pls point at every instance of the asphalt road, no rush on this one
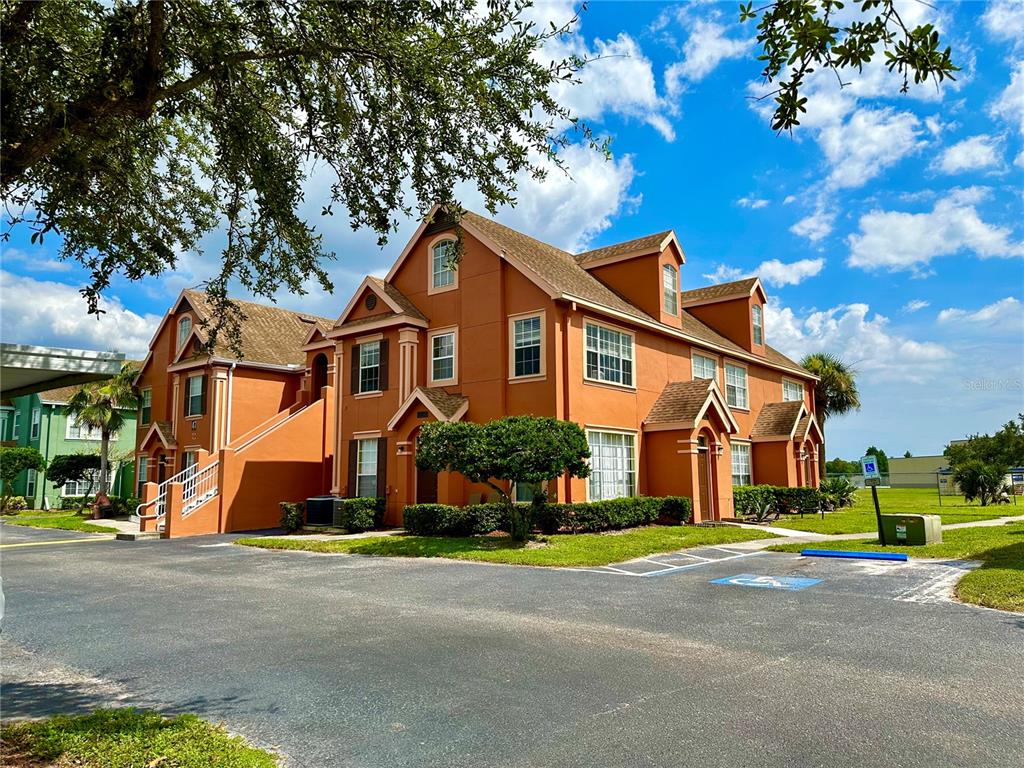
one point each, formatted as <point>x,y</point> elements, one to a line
<point>349,661</point>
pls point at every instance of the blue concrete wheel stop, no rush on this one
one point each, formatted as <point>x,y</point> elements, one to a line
<point>850,555</point>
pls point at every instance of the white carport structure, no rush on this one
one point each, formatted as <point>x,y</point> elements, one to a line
<point>25,368</point>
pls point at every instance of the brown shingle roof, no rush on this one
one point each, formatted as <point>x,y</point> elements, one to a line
<point>639,244</point>
<point>270,334</point>
<point>64,394</point>
<point>802,425</point>
<point>679,401</point>
<point>776,419</point>
<point>718,291</point>
<point>446,402</point>
<point>398,297</point>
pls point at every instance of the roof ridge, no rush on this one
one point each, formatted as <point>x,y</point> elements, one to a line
<point>631,241</point>
<point>269,305</point>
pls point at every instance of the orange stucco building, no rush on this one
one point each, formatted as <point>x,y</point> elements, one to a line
<point>678,391</point>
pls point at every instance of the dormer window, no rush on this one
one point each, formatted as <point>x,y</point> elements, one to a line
<point>670,289</point>
<point>758,324</point>
<point>184,327</point>
<point>442,266</point>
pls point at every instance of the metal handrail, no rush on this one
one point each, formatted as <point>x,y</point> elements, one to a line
<point>199,488</point>
<point>161,496</point>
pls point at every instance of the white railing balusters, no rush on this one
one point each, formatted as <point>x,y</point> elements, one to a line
<point>198,487</point>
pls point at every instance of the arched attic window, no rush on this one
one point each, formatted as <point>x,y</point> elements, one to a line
<point>184,327</point>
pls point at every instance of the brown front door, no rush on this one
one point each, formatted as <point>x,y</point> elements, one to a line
<point>704,479</point>
<point>161,469</point>
<point>426,487</point>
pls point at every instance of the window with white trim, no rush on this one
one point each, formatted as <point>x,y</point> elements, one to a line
<point>609,355</point>
<point>146,406</point>
<point>792,390</point>
<point>16,426</point>
<point>612,465</point>
<point>736,385</point>
<point>366,468</point>
<point>442,356</point>
<point>30,484</point>
<point>34,427</point>
<point>741,464</point>
<point>141,475</point>
<point>670,289</point>
<point>526,349</point>
<point>758,317</point>
<point>704,367</point>
<point>184,327</point>
<point>76,430</point>
<point>369,366</point>
<point>89,484</point>
<point>194,396</point>
<point>442,266</point>
<point>3,424</point>
<point>189,459</point>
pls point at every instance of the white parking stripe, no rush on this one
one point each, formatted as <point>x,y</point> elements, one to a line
<point>698,565</point>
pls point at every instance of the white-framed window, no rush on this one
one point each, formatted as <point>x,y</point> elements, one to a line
<point>442,266</point>
<point>741,474</point>
<point>442,357</point>
<point>16,426</point>
<point>194,396</point>
<point>3,423</point>
<point>184,327</point>
<point>736,385</point>
<point>30,484</point>
<point>146,406</point>
<point>612,464</point>
<point>366,467</point>
<point>76,430</point>
<point>188,459</point>
<point>81,487</point>
<point>609,355</point>
<point>704,367</point>
<point>141,475</point>
<point>670,289</point>
<point>758,317</point>
<point>792,390</point>
<point>523,493</point>
<point>369,366</point>
<point>34,426</point>
<point>527,346</point>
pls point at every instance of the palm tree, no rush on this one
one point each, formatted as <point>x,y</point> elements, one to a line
<point>834,394</point>
<point>101,406</point>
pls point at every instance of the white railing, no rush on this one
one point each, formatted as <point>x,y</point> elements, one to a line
<point>199,488</point>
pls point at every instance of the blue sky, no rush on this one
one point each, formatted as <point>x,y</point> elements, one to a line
<point>888,229</point>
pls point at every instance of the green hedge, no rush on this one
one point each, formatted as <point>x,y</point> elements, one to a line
<point>359,514</point>
<point>293,515</point>
<point>779,498</point>
<point>480,519</point>
<point>122,505</point>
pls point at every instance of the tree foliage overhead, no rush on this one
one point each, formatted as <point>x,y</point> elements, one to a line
<point>798,37</point>
<point>135,128</point>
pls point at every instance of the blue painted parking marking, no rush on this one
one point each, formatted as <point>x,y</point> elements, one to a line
<point>791,583</point>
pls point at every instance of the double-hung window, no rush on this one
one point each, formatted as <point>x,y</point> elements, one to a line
<point>526,347</point>
<point>612,465</point>
<point>609,355</point>
<point>146,406</point>
<point>704,367</point>
<point>758,318</point>
<point>30,485</point>
<point>670,289</point>
<point>792,390</point>
<point>141,475</point>
<point>78,431</point>
<point>90,482</point>
<point>369,366</point>
<point>16,426</point>
<point>194,396</point>
<point>442,357</point>
<point>741,464</point>
<point>736,385</point>
<point>34,426</point>
<point>366,467</point>
<point>442,266</point>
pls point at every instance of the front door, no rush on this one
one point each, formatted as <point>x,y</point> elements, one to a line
<point>161,469</point>
<point>704,479</point>
<point>426,486</point>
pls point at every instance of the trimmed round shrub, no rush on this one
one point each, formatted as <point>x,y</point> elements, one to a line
<point>359,514</point>
<point>293,515</point>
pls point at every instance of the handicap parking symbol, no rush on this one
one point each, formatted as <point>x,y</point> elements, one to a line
<point>791,583</point>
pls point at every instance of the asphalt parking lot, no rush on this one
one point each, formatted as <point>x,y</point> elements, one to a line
<point>351,661</point>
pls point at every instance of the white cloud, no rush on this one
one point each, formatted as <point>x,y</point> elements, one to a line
<point>814,227</point>
<point>915,305</point>
<point>1009,106</point>
<point>707,46</point>
<point>36,263</point>
<point>971,154</point>
<point>863,146</point>
<point>859,338</point>
<point>50,313</point>
<point>752,202</point>
<point>1006,313</point>
<point>1004,20</point>
<point>897,240</point>
<point>771,272</point>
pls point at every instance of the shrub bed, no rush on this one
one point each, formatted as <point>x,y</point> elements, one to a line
<point>779,498</point>
<point>121,505</point>
<point>16,504</point>
<point>293,515</point>
<point>480,519</point>
<point>359,514</point>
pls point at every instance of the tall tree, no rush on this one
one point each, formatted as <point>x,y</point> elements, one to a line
<point>102,406</point>
<point>13,461</point>
<point>835,393</point>
<point>136,128</point>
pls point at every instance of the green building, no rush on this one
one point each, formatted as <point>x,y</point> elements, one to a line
<point>39,421</point>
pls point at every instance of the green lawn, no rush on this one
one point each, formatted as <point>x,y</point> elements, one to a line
<point>564,550</point>
<point>923,501</point>
<point>63,519</point>
<point>127,738</point>
<point>998,583</point>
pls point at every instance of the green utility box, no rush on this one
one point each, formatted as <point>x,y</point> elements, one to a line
<point>912,530</point>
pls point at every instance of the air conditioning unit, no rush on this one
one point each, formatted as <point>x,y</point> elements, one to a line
<point>320,510</point>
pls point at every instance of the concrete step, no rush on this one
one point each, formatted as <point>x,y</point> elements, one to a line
<point>137,535</point>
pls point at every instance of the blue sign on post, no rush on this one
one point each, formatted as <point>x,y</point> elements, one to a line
<point>791,583</point>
